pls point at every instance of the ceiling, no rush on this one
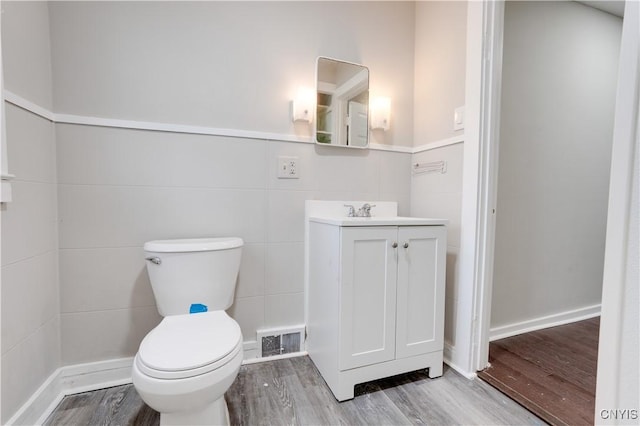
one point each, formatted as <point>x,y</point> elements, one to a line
<point>614,7</point>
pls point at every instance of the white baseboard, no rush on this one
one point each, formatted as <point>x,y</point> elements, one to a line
<point>548,321</point>
<point>69,380</point>
<point>448,356</point>
<point>92,376</point>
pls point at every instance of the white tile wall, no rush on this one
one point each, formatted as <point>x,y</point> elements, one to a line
<point>121,216</point>
<point>29,221</point>
<point>283,310</point>
<point>29,297</point>
<point>119,188</point>
<point>100,335</point>
<point>249,312</point>
<point>27,365</point>
<point>252,271</point>
<point>285,215</point>
<point>30,294</point>
<point>285,268</point>
<point>104,278</point>
<point>109,156</point>
<point>440,195</point>
<point>30,148</point>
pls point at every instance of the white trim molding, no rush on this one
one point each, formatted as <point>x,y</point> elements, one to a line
<point>487,178</point>
<point>439,144</point>
<point>83,120</point>
<point>21,102</point>
<point>548,321</point>
<point>391,148</point>
<point>69,380</point>
<point>174,128</point>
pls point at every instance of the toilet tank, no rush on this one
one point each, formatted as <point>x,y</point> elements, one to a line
<point>193,272</point>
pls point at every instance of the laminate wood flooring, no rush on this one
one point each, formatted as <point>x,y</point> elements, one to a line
<point>552,372</point>
<point>291,391</point>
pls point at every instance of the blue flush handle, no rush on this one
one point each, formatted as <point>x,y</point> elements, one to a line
<point>197,308</point>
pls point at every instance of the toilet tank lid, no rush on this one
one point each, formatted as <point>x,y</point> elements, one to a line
<point>193,244</point>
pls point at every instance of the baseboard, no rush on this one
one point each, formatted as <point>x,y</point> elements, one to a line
<point>548,321</point>
<point>274,357</point>
<point>449,356</point>
<point>69,380</point>
<point>92,376</point>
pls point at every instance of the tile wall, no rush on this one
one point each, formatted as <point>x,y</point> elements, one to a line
<point>440,195</point>
<point>30,297</point>
<point>119,188</point>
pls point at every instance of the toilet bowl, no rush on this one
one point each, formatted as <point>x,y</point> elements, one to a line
<point>185,365</point>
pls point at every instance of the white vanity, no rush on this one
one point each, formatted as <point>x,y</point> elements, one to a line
<point>375,294</point>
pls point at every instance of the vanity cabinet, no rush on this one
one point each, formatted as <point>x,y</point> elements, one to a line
<point>376,301</point>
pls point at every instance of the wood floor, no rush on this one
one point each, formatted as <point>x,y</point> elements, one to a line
<point>291,391</point>
<point>552,372</point>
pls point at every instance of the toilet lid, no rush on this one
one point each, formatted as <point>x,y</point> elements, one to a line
<point>188,342</point>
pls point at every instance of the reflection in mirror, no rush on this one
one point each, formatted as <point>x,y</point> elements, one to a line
<point>342,115</point>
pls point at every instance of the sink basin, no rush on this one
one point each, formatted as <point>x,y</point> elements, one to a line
<point>379,221</point>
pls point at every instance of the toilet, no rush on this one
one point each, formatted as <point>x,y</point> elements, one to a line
<point>185,365</point>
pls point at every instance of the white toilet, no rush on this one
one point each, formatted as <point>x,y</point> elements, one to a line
<point>185,365</point>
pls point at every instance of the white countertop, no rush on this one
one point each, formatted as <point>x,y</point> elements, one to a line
<point>379,221</point>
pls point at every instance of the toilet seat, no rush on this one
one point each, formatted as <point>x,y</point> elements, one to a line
<point>183,346</point>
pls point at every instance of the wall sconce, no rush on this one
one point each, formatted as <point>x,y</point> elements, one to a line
<point>303,105</point>
<point>380,113</point>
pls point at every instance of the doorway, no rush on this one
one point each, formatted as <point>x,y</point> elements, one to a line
<point>559,79</point>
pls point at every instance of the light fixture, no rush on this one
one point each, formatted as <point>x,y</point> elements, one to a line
<point>303,105</point>
<point>380,113</point>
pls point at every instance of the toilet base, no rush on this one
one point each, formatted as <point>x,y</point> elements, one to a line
<point>215,413</point>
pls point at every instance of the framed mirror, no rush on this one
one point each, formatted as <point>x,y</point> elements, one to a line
<point>342,114</point>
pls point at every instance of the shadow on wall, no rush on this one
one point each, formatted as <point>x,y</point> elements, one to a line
<point>141,325</point>
<point>451,299</point>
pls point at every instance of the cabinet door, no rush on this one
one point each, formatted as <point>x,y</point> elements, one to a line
<point>367,296</point>
<point>421,279</point>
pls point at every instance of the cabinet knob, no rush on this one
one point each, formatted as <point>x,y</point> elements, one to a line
<point>405,245</point>
<point>394,245</point>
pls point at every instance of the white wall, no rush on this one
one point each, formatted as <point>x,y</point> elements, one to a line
<point>439,83</point>
<point>440,44</point>
<point>558,93</point>
<point>225,64</point>
<point>30,295</point>
<point>214,64</point>
<point>27,49</point>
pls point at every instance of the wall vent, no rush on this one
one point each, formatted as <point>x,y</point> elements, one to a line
<point>280,341</point>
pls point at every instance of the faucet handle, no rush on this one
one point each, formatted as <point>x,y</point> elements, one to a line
<point>352,210</point>
<point>366,209</point>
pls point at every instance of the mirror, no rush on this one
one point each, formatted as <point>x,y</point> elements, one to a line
<point>342,111</point>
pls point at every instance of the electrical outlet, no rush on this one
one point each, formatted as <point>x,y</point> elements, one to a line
<point>288,168</point>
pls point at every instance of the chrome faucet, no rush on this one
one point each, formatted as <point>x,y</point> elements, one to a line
<point>352,210</point>
<point>364,211</point>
